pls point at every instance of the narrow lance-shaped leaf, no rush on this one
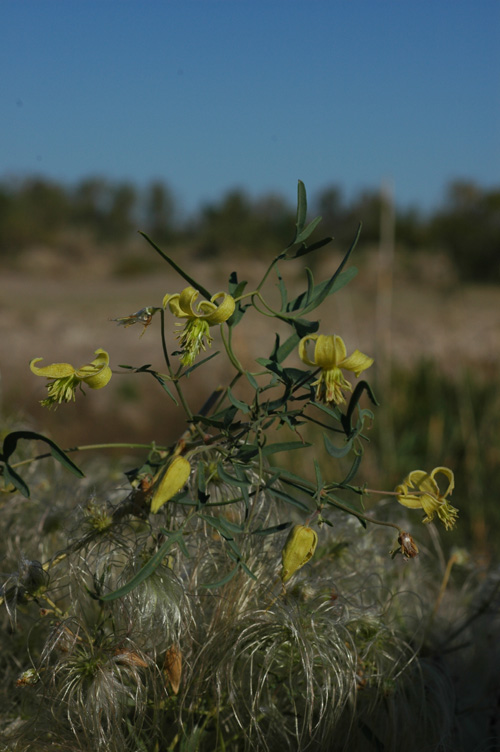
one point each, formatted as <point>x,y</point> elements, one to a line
<point>301,208</point>
<point>147,570</point>
<point>177,268</point>
<point>307,231</point>
<point>337,452</point>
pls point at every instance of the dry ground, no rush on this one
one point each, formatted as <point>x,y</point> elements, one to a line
<point>64,314</point>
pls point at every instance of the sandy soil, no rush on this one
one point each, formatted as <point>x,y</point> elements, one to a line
<point>400,318</point>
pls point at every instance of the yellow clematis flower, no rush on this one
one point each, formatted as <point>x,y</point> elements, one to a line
<point>199,320</point>
<point>66,378</point>
<point>330,355</point>
<point>420,490</point>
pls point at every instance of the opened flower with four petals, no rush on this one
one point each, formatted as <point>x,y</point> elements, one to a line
<point>420,490</point>
<point>64,378</point>
<point>199,318</point>
<point>330,355</point>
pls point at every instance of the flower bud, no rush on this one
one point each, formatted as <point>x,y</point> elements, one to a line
<point>298,549</point>
<point>173,480</point>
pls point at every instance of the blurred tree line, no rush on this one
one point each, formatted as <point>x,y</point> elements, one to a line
<point>37,211</point>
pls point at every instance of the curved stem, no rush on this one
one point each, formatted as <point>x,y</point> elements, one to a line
<point>229,350</point>
<point>163,341</point>
<point>86,447</point>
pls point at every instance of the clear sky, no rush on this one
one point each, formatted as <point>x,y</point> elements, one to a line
<point>208,95</point>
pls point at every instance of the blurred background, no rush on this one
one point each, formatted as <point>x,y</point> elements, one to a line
<point>193,121</point>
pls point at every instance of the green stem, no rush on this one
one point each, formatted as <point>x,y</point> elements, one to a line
<point>163,342</point>
<point>266,275</point>
<point>86,447</point>
<point>229,350</point>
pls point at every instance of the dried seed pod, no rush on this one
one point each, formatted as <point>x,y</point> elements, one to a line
<point>298,549</point>
<point>172,667</point>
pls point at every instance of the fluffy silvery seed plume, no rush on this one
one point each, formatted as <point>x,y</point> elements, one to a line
<point>97,683</point>
<point>153,612</point>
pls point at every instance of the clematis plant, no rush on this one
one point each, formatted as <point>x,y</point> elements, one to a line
<point>199,319</point>
<point>330,355</point>
<point>64,379</point>
<point>224,507</point>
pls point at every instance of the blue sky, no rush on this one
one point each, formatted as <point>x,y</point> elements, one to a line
<point>208,95</point>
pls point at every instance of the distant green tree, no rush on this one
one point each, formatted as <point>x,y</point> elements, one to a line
<point>159,212</point>
<point>468,227</point>
<point>90,203</point>
<point>120,219</point>
<point>33,212</point>
<point>238,224</point>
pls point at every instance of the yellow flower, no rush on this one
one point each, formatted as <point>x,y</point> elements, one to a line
<point>298,549</point>
<point>420,490</point>
<point>199,320</point>
<point>66,379</point>
<point>330,355</point>
<point>175,477</point>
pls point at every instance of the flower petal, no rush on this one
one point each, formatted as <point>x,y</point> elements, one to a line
<point>54,371</point>
<point>451,479</point>
<point>303,349</point>
<point>186,301</point>
<point>97,373</point>
<point>356,362</point>
<point>329,351</point>
<point>217,314</point>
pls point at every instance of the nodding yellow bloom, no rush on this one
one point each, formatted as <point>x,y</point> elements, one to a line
<point>175,477</point>
<point>199,320</point>
<point>298,549</point>
<point>419,490</point>
<point>330,355</point>
<point>66,379</point>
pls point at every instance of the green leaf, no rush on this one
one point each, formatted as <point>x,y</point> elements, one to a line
<point>10,444</point>
<point>147,570</point>
<point>272,530</point>
<point>304,327</point>
<point>223,581</point>
<point>361,386</point>
<point>237,403</point>
<point>285,446</point>
<point>304,249</point>
<point>177,268</point>
<point>322,291</point>
<point>229,479</point>
<point>289,499</point>
<point>252,381</point>
<point>236,288</point>
<point>301,208</point>
<point>308,230</point>
<point>354,469</point>
<point>224,526</point>
<point>337,452</point>
<point>287,347</point>
<point>11,476</point>
<point>163,383</point>
<point>247,452</point>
